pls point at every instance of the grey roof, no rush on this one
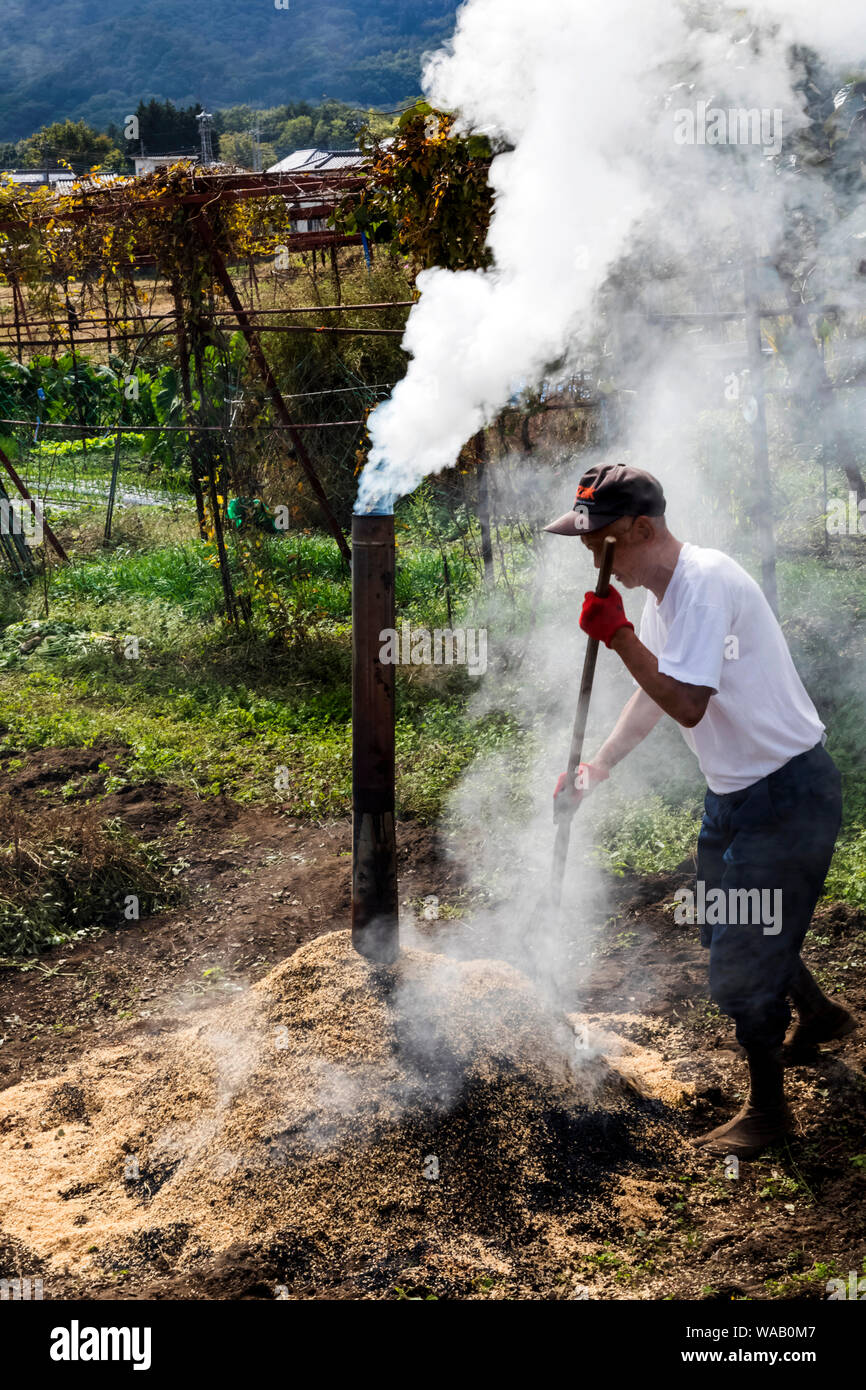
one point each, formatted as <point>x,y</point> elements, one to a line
<point>63,180</point>
<point>88,181</point>
<point>318,161</point>
<point>54,175</point>
<point>164,158</point>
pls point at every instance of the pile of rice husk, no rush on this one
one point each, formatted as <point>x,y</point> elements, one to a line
<point>337,1122</point>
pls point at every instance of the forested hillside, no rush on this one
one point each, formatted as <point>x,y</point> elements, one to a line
<point>96,59</point>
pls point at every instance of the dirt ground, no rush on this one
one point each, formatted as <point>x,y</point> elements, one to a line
<point>666,1222</point>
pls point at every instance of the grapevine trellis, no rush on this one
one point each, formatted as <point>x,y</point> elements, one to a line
<point>76,267</point>
<point>74,264</point>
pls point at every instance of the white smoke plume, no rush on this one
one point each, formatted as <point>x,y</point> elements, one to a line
<point>581,100</point>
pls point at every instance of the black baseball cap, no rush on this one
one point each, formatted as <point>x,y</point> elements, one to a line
<point>606,492</point>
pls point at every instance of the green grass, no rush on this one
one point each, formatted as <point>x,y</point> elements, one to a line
<point>847,876</point>
<point>221,711</point>
<point>175,574</point>
<point>214,740</point>
<point>308,566</point>
<point>649,836</point>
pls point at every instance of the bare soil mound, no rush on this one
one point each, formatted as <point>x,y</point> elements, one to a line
<point>336,1122</point>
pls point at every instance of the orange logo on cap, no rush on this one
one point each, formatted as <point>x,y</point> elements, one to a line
<point>585,494</point>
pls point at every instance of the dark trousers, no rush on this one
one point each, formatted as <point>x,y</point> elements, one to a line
<point>777,834</point>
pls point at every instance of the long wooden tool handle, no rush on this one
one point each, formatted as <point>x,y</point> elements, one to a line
<point>588,676</point>
<point>563,829</point>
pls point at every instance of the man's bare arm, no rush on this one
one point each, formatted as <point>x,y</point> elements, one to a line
<point>687,704</point>
<point>639,717</point>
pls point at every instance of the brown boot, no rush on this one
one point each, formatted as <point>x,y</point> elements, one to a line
<point>820,1020</point>
<point>801,1044</point>
<point>763,1120</point>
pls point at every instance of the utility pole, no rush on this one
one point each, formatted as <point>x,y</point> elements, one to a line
<point>205,126</point>
<point>255,133</point>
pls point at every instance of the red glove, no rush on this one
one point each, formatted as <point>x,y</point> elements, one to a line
<point>566,799</point>
<point>601,618</point>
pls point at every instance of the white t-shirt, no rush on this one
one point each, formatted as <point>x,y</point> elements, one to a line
<point>714,627</point>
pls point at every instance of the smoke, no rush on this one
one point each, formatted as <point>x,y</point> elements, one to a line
<point>448,1024</point>
<point>498,823</point>
<point>638,170</point>
<point>582,102</point>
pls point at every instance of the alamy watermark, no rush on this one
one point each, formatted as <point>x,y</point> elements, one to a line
<point>855,1288</point>
<point>459,646</point>
<point>77,1343</point>
<point>734,907</point>
<point>846,518</point>
<point>20,1289</point>
<point>21,518</point>
<point>715,125</point>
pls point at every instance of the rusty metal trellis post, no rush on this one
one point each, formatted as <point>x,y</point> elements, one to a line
<point>186,388</point>
<point>269,379</point>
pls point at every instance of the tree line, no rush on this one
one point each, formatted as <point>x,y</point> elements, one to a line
<point>160,127</point>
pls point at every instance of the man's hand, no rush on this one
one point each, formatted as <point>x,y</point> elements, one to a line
<point>567,798</point>
<point>601,618</point>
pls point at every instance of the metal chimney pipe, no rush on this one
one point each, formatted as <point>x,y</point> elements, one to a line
<point>375,923</point>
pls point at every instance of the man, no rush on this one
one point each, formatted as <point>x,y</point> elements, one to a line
<point>712,656</point>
